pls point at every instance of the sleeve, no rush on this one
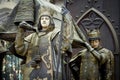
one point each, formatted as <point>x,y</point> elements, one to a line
<point>100,56</point>
<point>110,67</point>
<point>107,68</point>
<point>21,43</point>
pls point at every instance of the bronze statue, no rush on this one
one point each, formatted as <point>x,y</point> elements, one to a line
<point>95,62</point>
<point>65,29</point>
<point>40,49</point>
<point>106,65</point>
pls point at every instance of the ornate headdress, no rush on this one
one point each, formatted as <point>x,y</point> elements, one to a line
<point>46,12</point>
<point>94,34</point>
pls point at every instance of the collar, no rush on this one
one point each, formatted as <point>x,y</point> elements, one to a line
<point>99,48</point>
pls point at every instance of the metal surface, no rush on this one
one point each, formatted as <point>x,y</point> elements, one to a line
<point>105,13</point>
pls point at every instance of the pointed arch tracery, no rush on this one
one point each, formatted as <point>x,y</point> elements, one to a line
<point>93,19</point>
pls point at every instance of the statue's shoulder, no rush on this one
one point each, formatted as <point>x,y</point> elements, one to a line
<point>30,37</point>
<point>104,49</point>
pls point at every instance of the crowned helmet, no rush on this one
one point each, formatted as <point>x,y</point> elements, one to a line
<point>94,34</point>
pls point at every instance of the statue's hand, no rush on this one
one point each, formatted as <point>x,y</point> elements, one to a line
<point>24,25</point>
<point>33,64</point>
<point>89,47</point>
<point>37,59</point>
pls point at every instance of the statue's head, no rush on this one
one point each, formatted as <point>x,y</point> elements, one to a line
<point>94,38</point>
<point>45,21</point>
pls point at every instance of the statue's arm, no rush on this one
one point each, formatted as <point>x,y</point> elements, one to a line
<point>20,44</point>
<point>110,67</point>
<point>99,56</point>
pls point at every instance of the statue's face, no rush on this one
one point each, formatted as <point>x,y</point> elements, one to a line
<point>95,43</point>
<point>45,22</point>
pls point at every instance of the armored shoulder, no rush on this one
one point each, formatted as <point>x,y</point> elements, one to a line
<point>104,50</point>
<point>107,51</point>
<point>29,37</point>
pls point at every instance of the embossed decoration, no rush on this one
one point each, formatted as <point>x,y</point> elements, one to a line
<point>92,21</point>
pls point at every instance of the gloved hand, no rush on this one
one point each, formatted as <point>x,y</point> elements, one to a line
<point>37,59</point>
<point>89,47</point>
<point>24,25</point>
<point>33,64</point>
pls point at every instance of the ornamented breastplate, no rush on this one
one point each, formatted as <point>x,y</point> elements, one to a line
<point>44,66</point>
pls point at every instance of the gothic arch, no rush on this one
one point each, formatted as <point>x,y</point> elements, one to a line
<point>105,21</point>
